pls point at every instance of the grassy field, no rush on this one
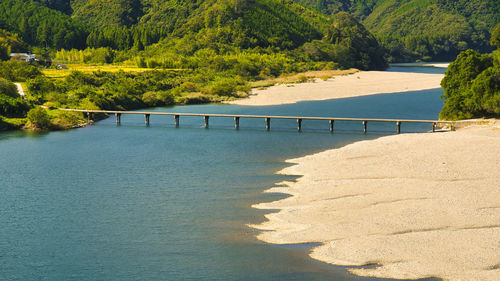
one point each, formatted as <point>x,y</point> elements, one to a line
<point>11,123</point>
<point>61,73</point>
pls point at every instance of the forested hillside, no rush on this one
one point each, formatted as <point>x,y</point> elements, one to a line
<point>213,50</point>
<point>422,29</point>
<point>125,24</point>
<point>409,30</point>
<point>107,13</point>
<point>10,43</point>
<point>41,26</point>
<point>178,51</point>
<point>128,29</point>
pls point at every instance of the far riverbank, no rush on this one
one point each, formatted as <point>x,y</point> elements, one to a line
<point>353,85</point>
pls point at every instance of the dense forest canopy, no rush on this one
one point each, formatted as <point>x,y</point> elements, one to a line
<point>203,51</point>
<point>133,25</point>
<point>211,50</point>
<point>41,26</point>
<point>59,5</point>
<point>125,24</point>
<point>472,84</point>
<point>108,13</point>
<point>348,43</point>
<point>409,30</point>
<point>422,29</point>
<point>10,43</point>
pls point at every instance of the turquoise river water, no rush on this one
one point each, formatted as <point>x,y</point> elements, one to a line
<point>131,202</point>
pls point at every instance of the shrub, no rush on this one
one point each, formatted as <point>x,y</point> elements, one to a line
<point>13,107</point>
<point>18,71</point>
<point>102,55</point>
<point>302,78</point>
<point>151,99</point>
<point>167,98</point>
<point>38,87</point>
<point>8,88</point>
<point>222,87</point>
<point>226,87</point>
<point>188,87</point>
<point>39,118</point>
<point>67,119</point>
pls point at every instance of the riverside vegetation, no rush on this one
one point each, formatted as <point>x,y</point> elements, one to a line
<point>191,51</point>
<point>208,53</point>
<point>472,84</point>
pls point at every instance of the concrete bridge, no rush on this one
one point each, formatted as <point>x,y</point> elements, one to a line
<point>266,118</point>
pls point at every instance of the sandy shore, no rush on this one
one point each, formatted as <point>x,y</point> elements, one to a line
<point>358,84</point>
<point>417,205</point>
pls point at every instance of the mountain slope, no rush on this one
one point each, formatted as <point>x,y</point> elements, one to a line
<point>107,13</point>
<point>246,22</point>
<point>59,5</point>
<point>249,23</point>
<point>186,27</point>
<point>41,26</point>
<point>425,29</point>
<point>10,43</point>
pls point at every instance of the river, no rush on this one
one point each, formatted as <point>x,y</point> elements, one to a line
<point>131,202</point>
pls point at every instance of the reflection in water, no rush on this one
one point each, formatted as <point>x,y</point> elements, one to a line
<point>131,202</point>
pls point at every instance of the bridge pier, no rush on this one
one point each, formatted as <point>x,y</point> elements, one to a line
<point>206,121</point>
<point>90,116</point>
<point>236,123</point>
<point>176,118</point>
<point>118,118</point>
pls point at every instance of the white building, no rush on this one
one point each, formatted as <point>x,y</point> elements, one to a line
<point>27,57</point>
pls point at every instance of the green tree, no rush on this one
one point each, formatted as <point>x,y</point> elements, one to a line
<point>39,118</point>
<point>61,5</point>
<point>8,88</point>
<point>11,104</point>
<point>435,29</point>
<point>349,43</point>
<point>472,86</point>
<point>4,52</point>
<point>495,36</point>
<point>18,71</point>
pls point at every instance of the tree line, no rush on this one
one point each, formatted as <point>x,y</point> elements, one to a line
<point>472,84</point>
<point>422,29</point>
<point>40,26</point>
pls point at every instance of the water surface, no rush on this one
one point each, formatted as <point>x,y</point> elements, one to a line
<point>132,202</point>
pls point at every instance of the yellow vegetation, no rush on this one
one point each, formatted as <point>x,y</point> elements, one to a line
<point>61,73</point>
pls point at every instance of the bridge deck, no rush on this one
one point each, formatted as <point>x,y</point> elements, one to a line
<point>299,119</point>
